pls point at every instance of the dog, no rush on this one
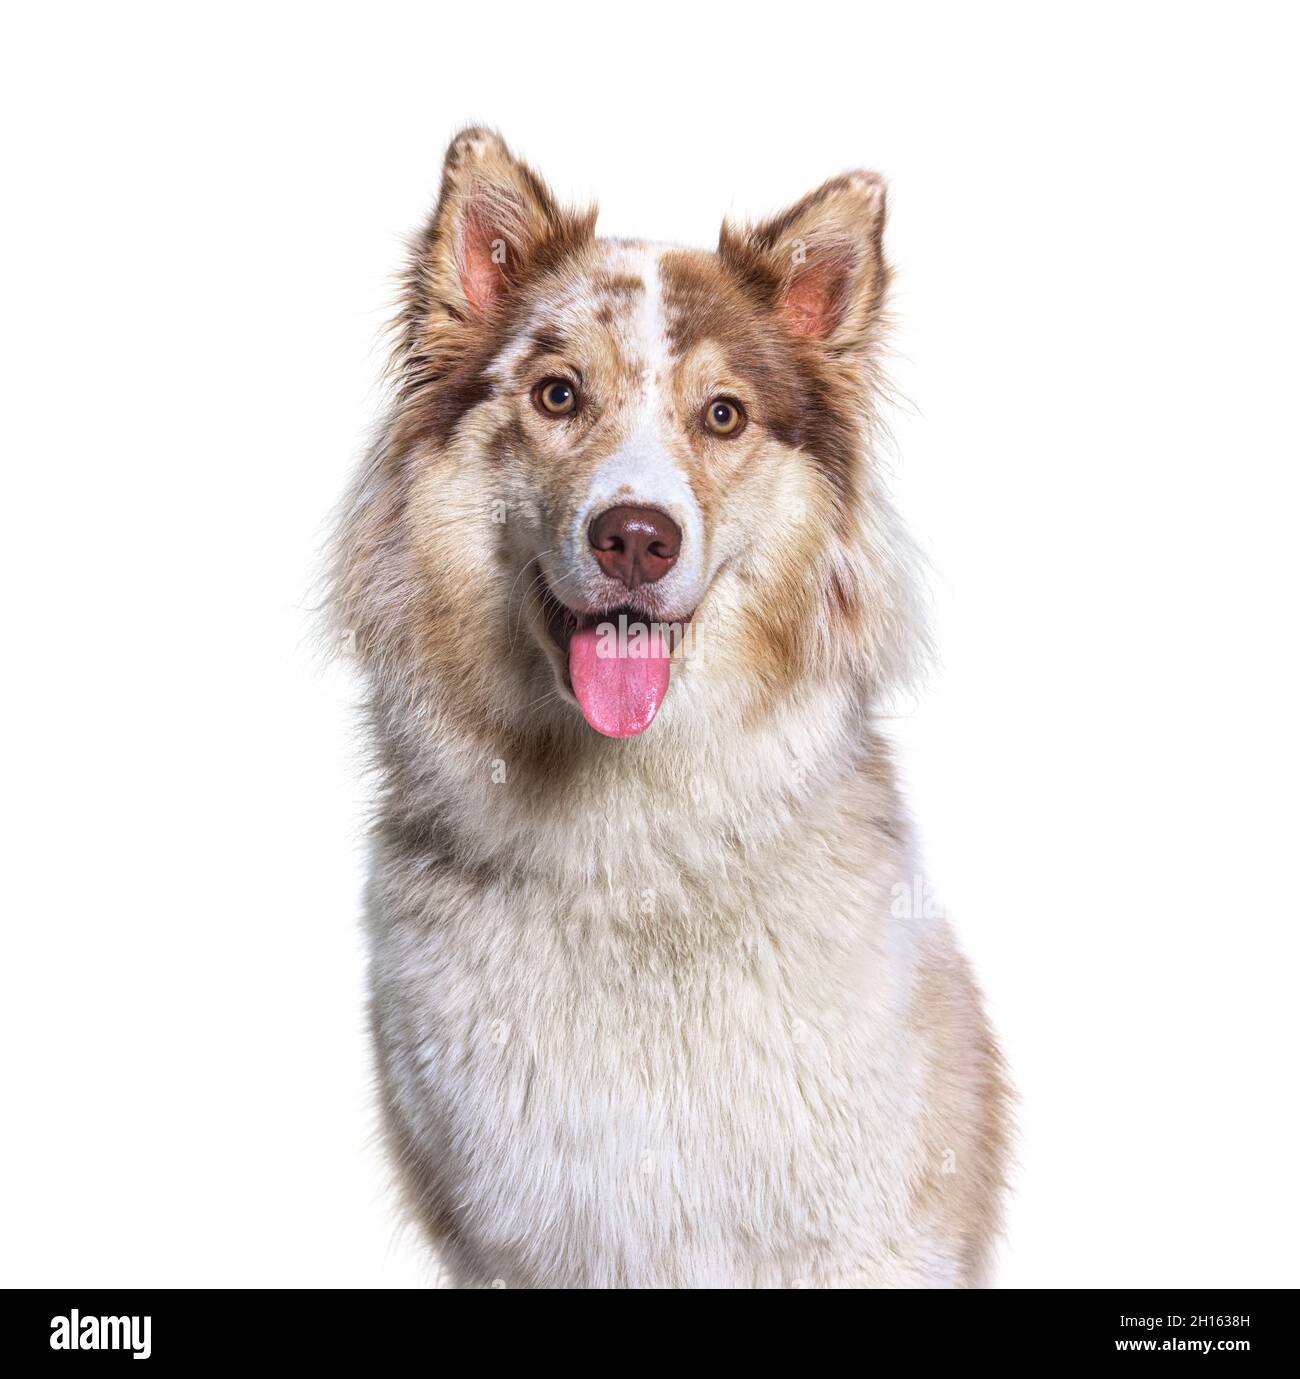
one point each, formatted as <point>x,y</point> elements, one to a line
<point>652,1003</point>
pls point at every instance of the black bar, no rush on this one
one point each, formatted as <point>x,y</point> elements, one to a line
<point>364,1327</point>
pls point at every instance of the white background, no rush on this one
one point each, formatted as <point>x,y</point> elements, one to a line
<point>1095,224</point>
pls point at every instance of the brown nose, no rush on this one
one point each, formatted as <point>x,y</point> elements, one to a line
<point>636,545</point>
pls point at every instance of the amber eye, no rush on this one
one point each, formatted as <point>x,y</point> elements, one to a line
<point>723,417</point>
<point>556,397</point>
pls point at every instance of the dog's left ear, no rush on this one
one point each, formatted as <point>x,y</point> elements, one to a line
<point>820,265</point>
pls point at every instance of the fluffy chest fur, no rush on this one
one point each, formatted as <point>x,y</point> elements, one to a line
<point>616,1081</point>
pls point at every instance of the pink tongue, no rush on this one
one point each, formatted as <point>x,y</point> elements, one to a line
<point>619,682</point>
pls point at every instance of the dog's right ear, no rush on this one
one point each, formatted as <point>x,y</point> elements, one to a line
<point>496,225</point>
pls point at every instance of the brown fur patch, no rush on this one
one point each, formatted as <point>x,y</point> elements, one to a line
<point>805,403</point>
<point>623,285</point>
<point>967,1093</point>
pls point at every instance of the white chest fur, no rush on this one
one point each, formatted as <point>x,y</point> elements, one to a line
<point>668,1085</point>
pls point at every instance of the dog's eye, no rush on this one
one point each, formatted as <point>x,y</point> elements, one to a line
<point>724,417</point>
<point>556,397</point>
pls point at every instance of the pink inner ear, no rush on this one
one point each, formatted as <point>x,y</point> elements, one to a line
<point>480,276</point>
<point>813,301</point>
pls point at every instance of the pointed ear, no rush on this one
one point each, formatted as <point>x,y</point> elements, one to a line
<point>495,226</point>
<point>820,264</point>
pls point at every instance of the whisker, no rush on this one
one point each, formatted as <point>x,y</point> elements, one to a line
<point>510,614</point>
<point>516,621</point>
<point>552,693</point>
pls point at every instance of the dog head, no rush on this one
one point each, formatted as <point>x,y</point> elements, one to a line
<point>622,482</point>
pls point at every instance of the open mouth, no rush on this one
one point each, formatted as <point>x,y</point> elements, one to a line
<point>617,662</point>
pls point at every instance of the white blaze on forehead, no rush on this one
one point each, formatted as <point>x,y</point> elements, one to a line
<point>653,325</point>
<point>642,471</point>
